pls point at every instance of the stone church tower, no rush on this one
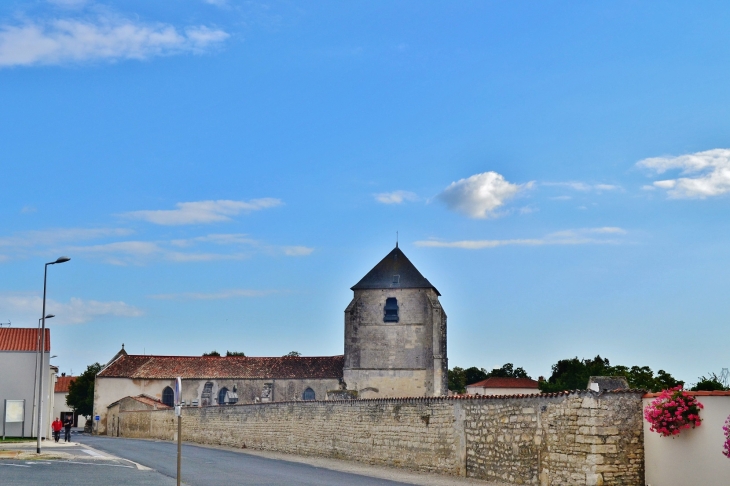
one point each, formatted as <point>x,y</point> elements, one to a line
<point>395,333</point>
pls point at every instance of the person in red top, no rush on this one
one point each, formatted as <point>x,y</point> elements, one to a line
<point>56,426</point>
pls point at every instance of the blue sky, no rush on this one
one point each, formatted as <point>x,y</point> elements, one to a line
<point>222,172</point>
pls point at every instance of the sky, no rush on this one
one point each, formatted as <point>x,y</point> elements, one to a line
<point>222,172</point>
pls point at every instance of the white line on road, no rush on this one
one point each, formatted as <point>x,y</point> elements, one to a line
<point>93,464</point>
<point>16,465</point>
<point>92,453</point>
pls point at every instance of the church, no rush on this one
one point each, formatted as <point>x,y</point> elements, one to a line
<point>394,346</point>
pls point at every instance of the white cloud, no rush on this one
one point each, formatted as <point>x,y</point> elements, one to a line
<point>297,250</point>
<point>202,212</point>
<point>395,197</point>
<point>27,308</point>
<point>708,173</point>
<point>480,195</point>
<point>583,187</point>
<point>568,237</point>
<point>225,294</point>
<point>28,210</point>
<point>63,41</point>
<point>27,239</point>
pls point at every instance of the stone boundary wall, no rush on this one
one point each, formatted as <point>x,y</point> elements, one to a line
<point>580,437</point>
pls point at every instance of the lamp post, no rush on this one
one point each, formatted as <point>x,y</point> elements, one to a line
<point>35,380</point>
<point>43,350</point>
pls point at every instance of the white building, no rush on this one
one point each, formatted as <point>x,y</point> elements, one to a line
<point>60,408</point>
<point>18,380</point>
<point>503,386</point>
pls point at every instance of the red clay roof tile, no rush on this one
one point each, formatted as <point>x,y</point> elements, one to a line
<point>22,339</point>
<point>497,382</point>
<point>62,383</point>
<point>167,367</point>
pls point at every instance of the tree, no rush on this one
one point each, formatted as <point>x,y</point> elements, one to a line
<point>508,371</point>
<point>212,353</point>
<point>709,383</point>
<point>457,380</point>
<point>235,353</point>
<point>573,374</point>
<point>293,354</point>
<point>474,374</point>
<point>81,391</point>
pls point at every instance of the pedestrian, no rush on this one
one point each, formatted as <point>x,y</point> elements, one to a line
<point>67,424</point>
<point>56,426</point>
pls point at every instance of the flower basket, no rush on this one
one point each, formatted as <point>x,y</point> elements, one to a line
<point>672,411</point>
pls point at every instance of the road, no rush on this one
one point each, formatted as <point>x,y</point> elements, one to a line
<point>204,466</point>
<point>90,460</point>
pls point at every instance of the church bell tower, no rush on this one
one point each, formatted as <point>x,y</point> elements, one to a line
<point>395,333</point>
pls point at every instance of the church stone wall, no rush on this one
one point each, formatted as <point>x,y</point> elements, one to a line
<point>578,438</point>
<point>108,390</point>
<point>395,359</point>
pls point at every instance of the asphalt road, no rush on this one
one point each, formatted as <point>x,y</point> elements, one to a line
<point>80,472</point>
<point>203,466</point>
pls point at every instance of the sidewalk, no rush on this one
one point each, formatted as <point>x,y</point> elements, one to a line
<point>26,451</point>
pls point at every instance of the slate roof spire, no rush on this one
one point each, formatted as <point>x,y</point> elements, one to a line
<point>395,271</point>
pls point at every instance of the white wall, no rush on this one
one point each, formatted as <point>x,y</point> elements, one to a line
<point>17,375</point>
<point>694,457</point>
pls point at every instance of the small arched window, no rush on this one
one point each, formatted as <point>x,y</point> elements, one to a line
<point>168,397</point>
<point>222,396</point>
<point>391,310</point>
<point>308,394</point>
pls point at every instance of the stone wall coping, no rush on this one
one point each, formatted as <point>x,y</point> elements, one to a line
<point>716,393</point>
<point>430,400</point>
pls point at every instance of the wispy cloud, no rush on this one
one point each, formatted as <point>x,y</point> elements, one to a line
<point>395,197</point>
<point>583,186</point>
<point>27,239</point>
<point>196,249</point>
<point>297,250</point>
<point>202,212</point>
<point>225,294</point>
<point>27,308</point>
<point>583,236</point>
<point>708,173</point>
<point>480,195</point>
<point>64,41</point>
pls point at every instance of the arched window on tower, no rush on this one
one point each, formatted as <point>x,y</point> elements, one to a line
<point>391,310</point>
<point>168,397</point>
<point>308,394</point>
<point>222,396</point>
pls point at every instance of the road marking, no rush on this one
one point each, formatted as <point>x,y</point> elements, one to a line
<point>16,465</point>
<point>93,464</point>
<point>92,453</point>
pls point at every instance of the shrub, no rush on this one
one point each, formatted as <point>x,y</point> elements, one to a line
<point>726,445</point>
<point>673,410</point>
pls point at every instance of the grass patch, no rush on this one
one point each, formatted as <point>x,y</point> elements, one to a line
<point>8,440</point>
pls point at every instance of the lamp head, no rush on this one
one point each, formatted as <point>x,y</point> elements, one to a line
<point>62,259</point>
<point>48,316</point>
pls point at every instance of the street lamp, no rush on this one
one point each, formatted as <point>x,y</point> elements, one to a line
<point>35,380</point>
<point>43,350</point>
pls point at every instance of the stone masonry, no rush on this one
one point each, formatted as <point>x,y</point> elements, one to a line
<point>574,438</point>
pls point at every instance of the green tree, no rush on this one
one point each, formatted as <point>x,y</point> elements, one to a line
<point>81,391</point>
<point>235,353</point>
<point>212,353</point>
<point>708,383</point>
<point>474,375</point>
<point>508,371</point>
<point>457,380</point>
<point>573,374</point>
<point>293,354</point>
